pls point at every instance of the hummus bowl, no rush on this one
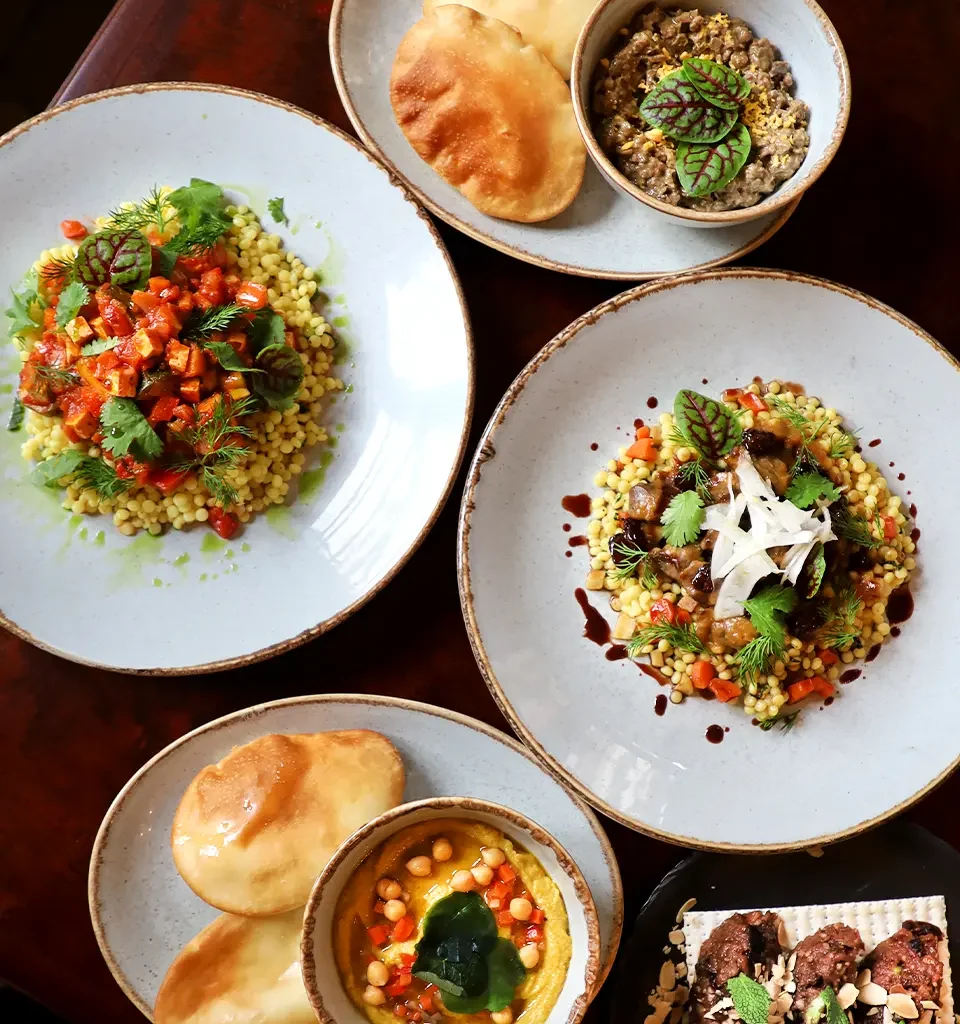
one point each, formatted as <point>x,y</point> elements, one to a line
<point>401,892</point>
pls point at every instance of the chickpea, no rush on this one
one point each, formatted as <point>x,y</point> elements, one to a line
<point>442,849</point>
<point>483,873</point>
<point>529,956</point>
<point>420,867</point>
<point>502,1016</point>
<point>379,974</point>
<point>393,910</point>
<point>493,856</point>
<point>521,909</point>
<point>374,996</point>
<point>388,889</point>
<point>462,881</point>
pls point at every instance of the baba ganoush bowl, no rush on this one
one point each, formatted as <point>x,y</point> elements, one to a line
<point>445,869</point>
<point>809,65</point>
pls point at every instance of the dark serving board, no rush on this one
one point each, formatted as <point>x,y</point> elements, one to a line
<point>895,861</point>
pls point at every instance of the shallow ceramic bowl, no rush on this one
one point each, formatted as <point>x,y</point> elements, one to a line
<point>320,974</point>
<point>805,38</point>
<point>393,299</point>
<point>889,736</point>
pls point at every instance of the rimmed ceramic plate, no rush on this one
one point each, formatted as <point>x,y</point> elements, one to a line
<point>889,737</point>
<point>604,233</point>
<point>394,300</point>
<point>143,912</point>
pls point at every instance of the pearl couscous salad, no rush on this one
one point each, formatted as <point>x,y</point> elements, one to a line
<point>174,364</point>
<point>750,550</point>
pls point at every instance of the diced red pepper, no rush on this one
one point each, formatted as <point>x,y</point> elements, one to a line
<point>114,316</point>
<point>399,1010</point>
<point>408,959</point>
<point>821,686</point>
<point>538,916</point>
<point>158,284</point>
<point>506,873</point>
<point>400,984</point>
<point>889,527</point>
<point>49,318</point>
<point>185,413</point>
<point>251,295</point>
<point>534,933</point>
<point>163,409</point>
<point>212,287</point>
<point>72,229</point>
<point>663,610</point>
<point>128,468</point>
<point>800,689</point>
<point>145,300</point>
<point>106,362</point>
<point>426,1002</point>
<point>379,933</point>
<point>752,402</point>
<point>167,481</point>
<point>226,526</point>
<point>505,919</point>
<point>405,927</point>
<point>723,689</point>
<point>827,657</point>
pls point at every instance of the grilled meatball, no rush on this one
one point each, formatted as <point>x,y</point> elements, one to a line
<point>733,948</point>
<point>828,957</point>
<point>909,962</point>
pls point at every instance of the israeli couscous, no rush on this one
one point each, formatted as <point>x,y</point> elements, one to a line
<point>750,550</point>
<point>174,364</point>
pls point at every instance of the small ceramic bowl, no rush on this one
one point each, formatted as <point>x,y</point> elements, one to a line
<point>806,40</point>
<point>320,974</point>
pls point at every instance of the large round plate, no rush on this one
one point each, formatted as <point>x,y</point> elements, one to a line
<point>899,861</point>
<point>143,912</point>
<point>604,233</point>
<point>888,738</point>
<point>393,294</point>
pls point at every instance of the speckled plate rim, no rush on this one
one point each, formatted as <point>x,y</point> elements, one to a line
<point>94,901</point>
<point>453,805</point>
<point>486,451</point>
<point>336,62</point>
<point>396,182</point>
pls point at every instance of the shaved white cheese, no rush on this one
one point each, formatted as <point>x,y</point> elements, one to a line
<point>752,483</point>
<point>797,556</point>
<point>738,584</point>
<point>728,531</point>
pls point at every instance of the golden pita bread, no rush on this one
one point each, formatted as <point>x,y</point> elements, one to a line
<point>252,833</point>
<point>552,26</point>
<point>490,114</point>
<point>238,969</point>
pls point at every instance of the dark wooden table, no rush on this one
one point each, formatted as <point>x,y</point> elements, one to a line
<point>71,736</point>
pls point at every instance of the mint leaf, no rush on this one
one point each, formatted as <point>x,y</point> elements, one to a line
<point>825,1005</point>
<point>275,208</point>
<point>682,518</point>
<point>807,488</point>
<point>750,999</point>
<point>72,298</point>
<point>126,430</point>
<point>706,425</point>
<point>767,610</point>
<point>505,973</point>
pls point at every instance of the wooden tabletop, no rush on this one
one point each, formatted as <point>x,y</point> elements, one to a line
<point>71,736</point>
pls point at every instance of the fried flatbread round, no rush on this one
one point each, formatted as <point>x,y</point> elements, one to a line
<point>238,969</point>
<point>489,113</point>
<point>252,833</point>
<point>552,26</point>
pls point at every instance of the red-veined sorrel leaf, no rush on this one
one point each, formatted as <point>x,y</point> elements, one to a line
<point>703,169</point>
<point>721,85</point>
<point>678,110</point>
<point>708,425</point>
<point>114,257</point>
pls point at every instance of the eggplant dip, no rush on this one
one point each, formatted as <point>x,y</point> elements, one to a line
<point>749,549</point>
<point>697,111</point>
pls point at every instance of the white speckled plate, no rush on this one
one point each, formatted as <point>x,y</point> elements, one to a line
<point>604,233</point>
<point>889,737</point>
<point>144,913</point>
<point>395,300</point>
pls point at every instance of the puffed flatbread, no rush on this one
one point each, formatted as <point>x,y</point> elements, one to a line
<point>489,113</point>
<point>552,26</point>
<point>238,969</point>
<point>252,833</point>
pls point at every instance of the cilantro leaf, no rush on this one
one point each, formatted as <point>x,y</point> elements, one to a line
<point>282,376</point>
<point>94,348</point>
<point>275,207</point>
<point>767,609</point>
<point>806,488</point>
<point>72,298</point>
<point>22,308</point>
<point>48,472</point>
<point>228,357</point>
<point>126,430</point>
<point>203,218</point>
<point>750,999</point>
<point>266,329</point>
<point>682,518</point>
<point>89,472</point>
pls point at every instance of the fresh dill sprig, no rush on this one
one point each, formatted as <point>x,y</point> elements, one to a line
<point>849,525</point>
<point>789,412</point>
<point>634,562</point>
<point>202,323</point>
<point>56,375</point>
<point>60,268</point>
<point>784,722</point>
<point>696,472</point>
<point>148,213</point>
<point>102,478</point>
<point>842,445</point>
<point>754,658</point>
<point>839,631</point>
<point>680,638</point>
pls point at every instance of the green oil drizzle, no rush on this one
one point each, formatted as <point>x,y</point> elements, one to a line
<point>340,428</point>
<point>74,521</point>
<point>312,480</point>
<point>333,441</point>
<point>233,567</point>
<point>6,389</point>
<point>278,516</point>
<point>203,577</point>
<point>256,197</point>
<point>348,390</point>
<point>181,559</point>
<point>212,544</point>
<point>228,553</point>
<point>82,533</point>
<point>331,270</point>
<point>244,546</point>
<point>99,538</point>
<point>341,321</point>
<point>341,299</point>
<point>157,582</point>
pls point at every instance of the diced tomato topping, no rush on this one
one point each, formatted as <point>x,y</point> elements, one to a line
<point>399,1010</point>
<point>49,318</point>
<point>106,362</point>
<point>682,617</point>
<point>408,959</point>
<point>400,984</point>
<point>251,295</point>
<point>163,409</point>
<point>752,402</point>
<point>405,927</point>
<point>663,610</point>
<point>185,413</point>
<point>145,300</point>
<point>506,873</point>
<point>226,526</point>
<point>114,316</point>
<point>158,284</point>
<point>72,229</point>
<point>538,916</point>
<point>827,657</point>
<point>723,689</point>
<point>170,294</point>
<point>889,527</point>
<point>378,933</point>
<point>504,919</point>
<point>426,1002</point>
<point>167,481</point>
<point>211,286</point>
<point>126,352</point>
<point>534,933</point>
<point>128,468</point>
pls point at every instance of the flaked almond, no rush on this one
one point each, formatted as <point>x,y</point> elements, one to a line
<point>847,996</point>
<point>681,970</point>
<point>902,1005</point>
<point>676,936</point>
<point>689,905</point>
<point>929,1004</point>
<point>782,932</point>
<point>784,1002</point>
<point>778,969</point>
<point>791,986</point>
<point>863,978</point>
<point>668,975</point>
<point>872,994</point>
<point>792,962</point>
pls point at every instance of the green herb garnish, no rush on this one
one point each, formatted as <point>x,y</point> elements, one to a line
<point>282,376</point>
<point>695,472</point>
<point>126,429</point>
<point>634,561</point>
<point>86,470</point>
<point>203,323</point>
<point>266,330</point>
<point>60,268</point>
<point>26,309</point>
<point>842,445</point>
<point>682,518</point>
<point>816,568</point>
<point>56,375</point>
<point>16,414</point>
<point>680,638</point>
<point>705,425</point>
<point>703,168</point>
<point>849,525</point>
<point>750,999</point>
<point>721,85</point>
<point>807,488</point>
<point>839,630</point>
<point>94,348</point>
<point>73,297</point>
<point>275,208</point>
<point>677,108</point>
<point>825,1005</point>
<point>767,612</point>
<point>228,357</point>
<point>784,722</point>
<point>461,953</point>
<point>148,213</point>
<point>202,215</point>
<point>120,258</point>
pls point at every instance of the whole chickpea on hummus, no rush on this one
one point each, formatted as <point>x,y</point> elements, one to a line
<point>445,880</point>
